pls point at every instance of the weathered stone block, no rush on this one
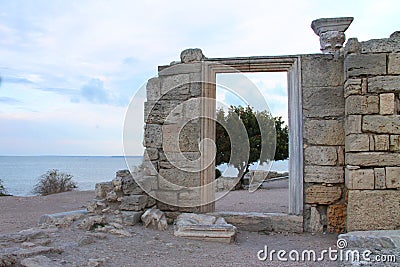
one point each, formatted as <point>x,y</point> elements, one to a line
<point>101,189</point>
<point>175,86</point>
<point>191,55</point>
<point>155,219</point>
<point>324,132</point>
<point>187,161</point>
<point>323,174</point>
<point>167,200</point>
<point>189,198</point>
<point>360,179</point>
<point>352,87</point>
<point>149,168</point>
<point>337,218</point>
<point>131,217</point>
<point>150,154</point>
<point>176,179</point>
<point>181,69</point>
<point>394,145</point>
<point>380,178</point>
<point>163,112</point>
<point>368,159</point>
<point>315,225</point>
<point>370,64</point>
<point>325,195</point>
<point>357,142</point>
<point>152,136</point>
<point>394,63</point>
<point>387,104</point>
<point>353,124</point>
<point>321,70</point>
<point>356,104</point>
<point>381,142</point>
<point>319,102</point>
<point>133,202</point>
<point>373,210</point>
<point>153,89</point>
<point>393,177</point>
<point>384,84</point>
<point>181,138</point>
<point>320,155</point>
<point>381,124</point>
<point>386,45</point>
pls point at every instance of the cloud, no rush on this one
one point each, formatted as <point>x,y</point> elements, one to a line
<point>95,92</point>
<point>9,100</point>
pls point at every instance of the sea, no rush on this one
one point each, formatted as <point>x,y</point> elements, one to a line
<point>20,173</point>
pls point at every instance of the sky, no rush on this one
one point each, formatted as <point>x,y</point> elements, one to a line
<point>69,68</point>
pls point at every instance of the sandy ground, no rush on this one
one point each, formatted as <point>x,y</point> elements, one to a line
<point>149,247</point>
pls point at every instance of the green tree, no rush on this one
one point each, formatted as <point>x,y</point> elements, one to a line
<point>266,136</point>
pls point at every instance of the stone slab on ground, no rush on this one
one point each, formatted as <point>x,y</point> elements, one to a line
<point>263,222</point>
<point>58,217</point>
<point>204,227</point>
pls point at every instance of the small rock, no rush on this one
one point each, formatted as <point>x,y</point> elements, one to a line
<point>85,240</point>
<point>155,218</point>
<point>116,225</point>
<point>92,222</point>
<point>120,232</point>
<point>112,196</point>
<point>97,262</point>
<point>39,261</point>
<point>27,244</point>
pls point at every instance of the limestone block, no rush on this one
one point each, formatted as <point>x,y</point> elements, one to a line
<point>394,63</point>
<point>153,136</point>
<point>62,219</point>
<point>386,45</point>
<point>387,104</point>
<point>188,161</point>
<point>381,124</point>
<point>381,142</point>
<point>368,159</point>
<point>176,179</point>
<point>394,145</point>
<point>153,89</point>
<point>324,132</point>
<point>353,124</point>
<point>323,174</point>
<point>325,195</point>
<point>337,218</point>
<point>163,112</point>
<point>319,102</point>
<point>373,210</point>
<point>149,168</point>
<point>356,104</point>
<point>340,153</point>
<point>384,84</point>
<point>393,177</point>
<point>204,227</point>
<point>181,138</point>
<point>357,142</point>
<point>380,178</point>
<point>320,155</point>
<point>131,217</point>
<point>155,219</point>
<point>321,71</point>
<point>352,46</point>
<point>352,87</point>
<point>365,64</point>
<point>360,179</point>
<point>133,202</point>
<point>315,221</point>
<point>101,189</point>
<point>167,200</point>
<point>192,55</point>
<point>148,183</point>
<point>91,222</point>
<point>194,67</point>
<point>150,154</point>
<point>175,86</point>
<point>189,198</point>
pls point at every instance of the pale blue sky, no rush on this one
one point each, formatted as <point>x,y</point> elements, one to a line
<point>69,68</point>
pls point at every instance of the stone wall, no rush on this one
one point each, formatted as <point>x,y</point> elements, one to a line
<point>371,92</point>
<point>323,142</point>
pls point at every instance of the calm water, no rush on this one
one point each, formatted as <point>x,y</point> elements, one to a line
<point>20,174</point>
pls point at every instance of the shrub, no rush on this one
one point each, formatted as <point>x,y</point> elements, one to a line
<point>217,173</point>
<point>54,181</point>
<point>3,190</point>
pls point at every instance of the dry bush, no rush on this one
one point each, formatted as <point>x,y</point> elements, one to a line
<point>53,182</point>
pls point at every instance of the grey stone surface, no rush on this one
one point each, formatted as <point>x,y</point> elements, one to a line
<point>131,217</point>
<point>101,189</point>
<point>62,217</point>
<point>373,210</point>
<point>191,55</point>
<point>357,142</point>
<point>394,63</point>
<point>323,174</point>
<point>320,155</point>
<point>360,179</point>
<point>175,86</point>
<point>320,102</point>
<point>133,202</point>
<point>39,261</point>
<point>381,45</point>
<point>353,124</point>
<point>387,104</point>
<point>381,124</point>
<point>394,144</point>
<point>352,87</point>
<point>321,71</point>
<point>393,177</point>
<point>152,136</point>
<point>155,219</point>
<point>315,225</point>
<point>163,112</point>
<point>380,178</point>
<point>153,89</point>
<point>381,142</point>
<point>324,132</point>
<point>384,84</point>
<point>365,64</point>
<point>176,179</point>
<point>375,240</point>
